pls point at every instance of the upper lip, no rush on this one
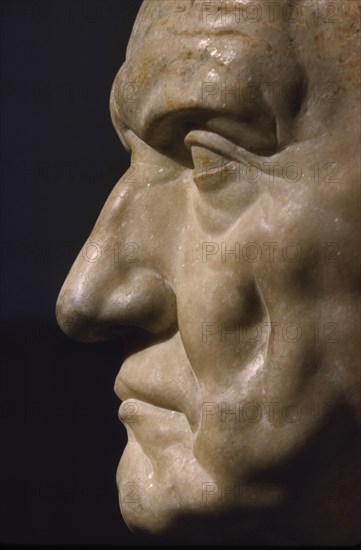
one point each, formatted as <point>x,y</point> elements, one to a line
<point>124,392</point>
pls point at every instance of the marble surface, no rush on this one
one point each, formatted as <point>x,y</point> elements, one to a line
<point>227,256</point>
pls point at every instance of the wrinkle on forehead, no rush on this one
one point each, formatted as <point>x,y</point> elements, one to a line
<point>173,49</point>
<point>174,40</point>
<point>193,17</point>
<point>168,18</point>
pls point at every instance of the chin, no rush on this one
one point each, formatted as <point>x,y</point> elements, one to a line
<point>164,497</point>
<point>157,493</point>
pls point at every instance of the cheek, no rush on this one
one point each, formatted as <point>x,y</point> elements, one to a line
<point>223,323</point>
<point>213,320</point>
<point>219,204</point>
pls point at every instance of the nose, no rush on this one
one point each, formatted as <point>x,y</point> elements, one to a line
<point>115,280</point>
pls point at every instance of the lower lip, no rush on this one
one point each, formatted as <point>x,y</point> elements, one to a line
<point>143,421</point>
<point>129,411</point>
<point>133,411</point>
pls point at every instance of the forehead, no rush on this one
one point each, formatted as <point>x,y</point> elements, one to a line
<point>176,45</point>
<point>169,18</point>
<point>179,46</point>
<point>180,21</point>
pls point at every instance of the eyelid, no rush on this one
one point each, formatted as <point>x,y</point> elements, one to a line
<point>208,148</point>
<point>221,146</point>
<point>210,168</point>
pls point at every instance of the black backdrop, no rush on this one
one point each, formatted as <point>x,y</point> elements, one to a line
<point>60,439</point>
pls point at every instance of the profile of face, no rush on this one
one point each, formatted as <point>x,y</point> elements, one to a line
<point>227,258</point>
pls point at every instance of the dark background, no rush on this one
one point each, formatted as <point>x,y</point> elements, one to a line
<point>60,439</point>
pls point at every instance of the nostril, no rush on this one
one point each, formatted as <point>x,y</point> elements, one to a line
<point>94,309</point>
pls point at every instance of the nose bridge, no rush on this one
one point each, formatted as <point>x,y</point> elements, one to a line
<point>112,282</point>
<point>101,250</point>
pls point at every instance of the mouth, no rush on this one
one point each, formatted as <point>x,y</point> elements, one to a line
<point>131,397</point>
<point>159,380</point>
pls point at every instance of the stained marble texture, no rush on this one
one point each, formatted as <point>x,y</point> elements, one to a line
<point>227,256</point>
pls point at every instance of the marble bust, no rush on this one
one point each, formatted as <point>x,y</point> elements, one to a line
<point>236,276</point>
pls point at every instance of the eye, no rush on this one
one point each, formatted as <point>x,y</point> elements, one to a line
<point>211,170</point>
<point>217,161</point>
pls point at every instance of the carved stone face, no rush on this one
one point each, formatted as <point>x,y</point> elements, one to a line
<point>228,253</point>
